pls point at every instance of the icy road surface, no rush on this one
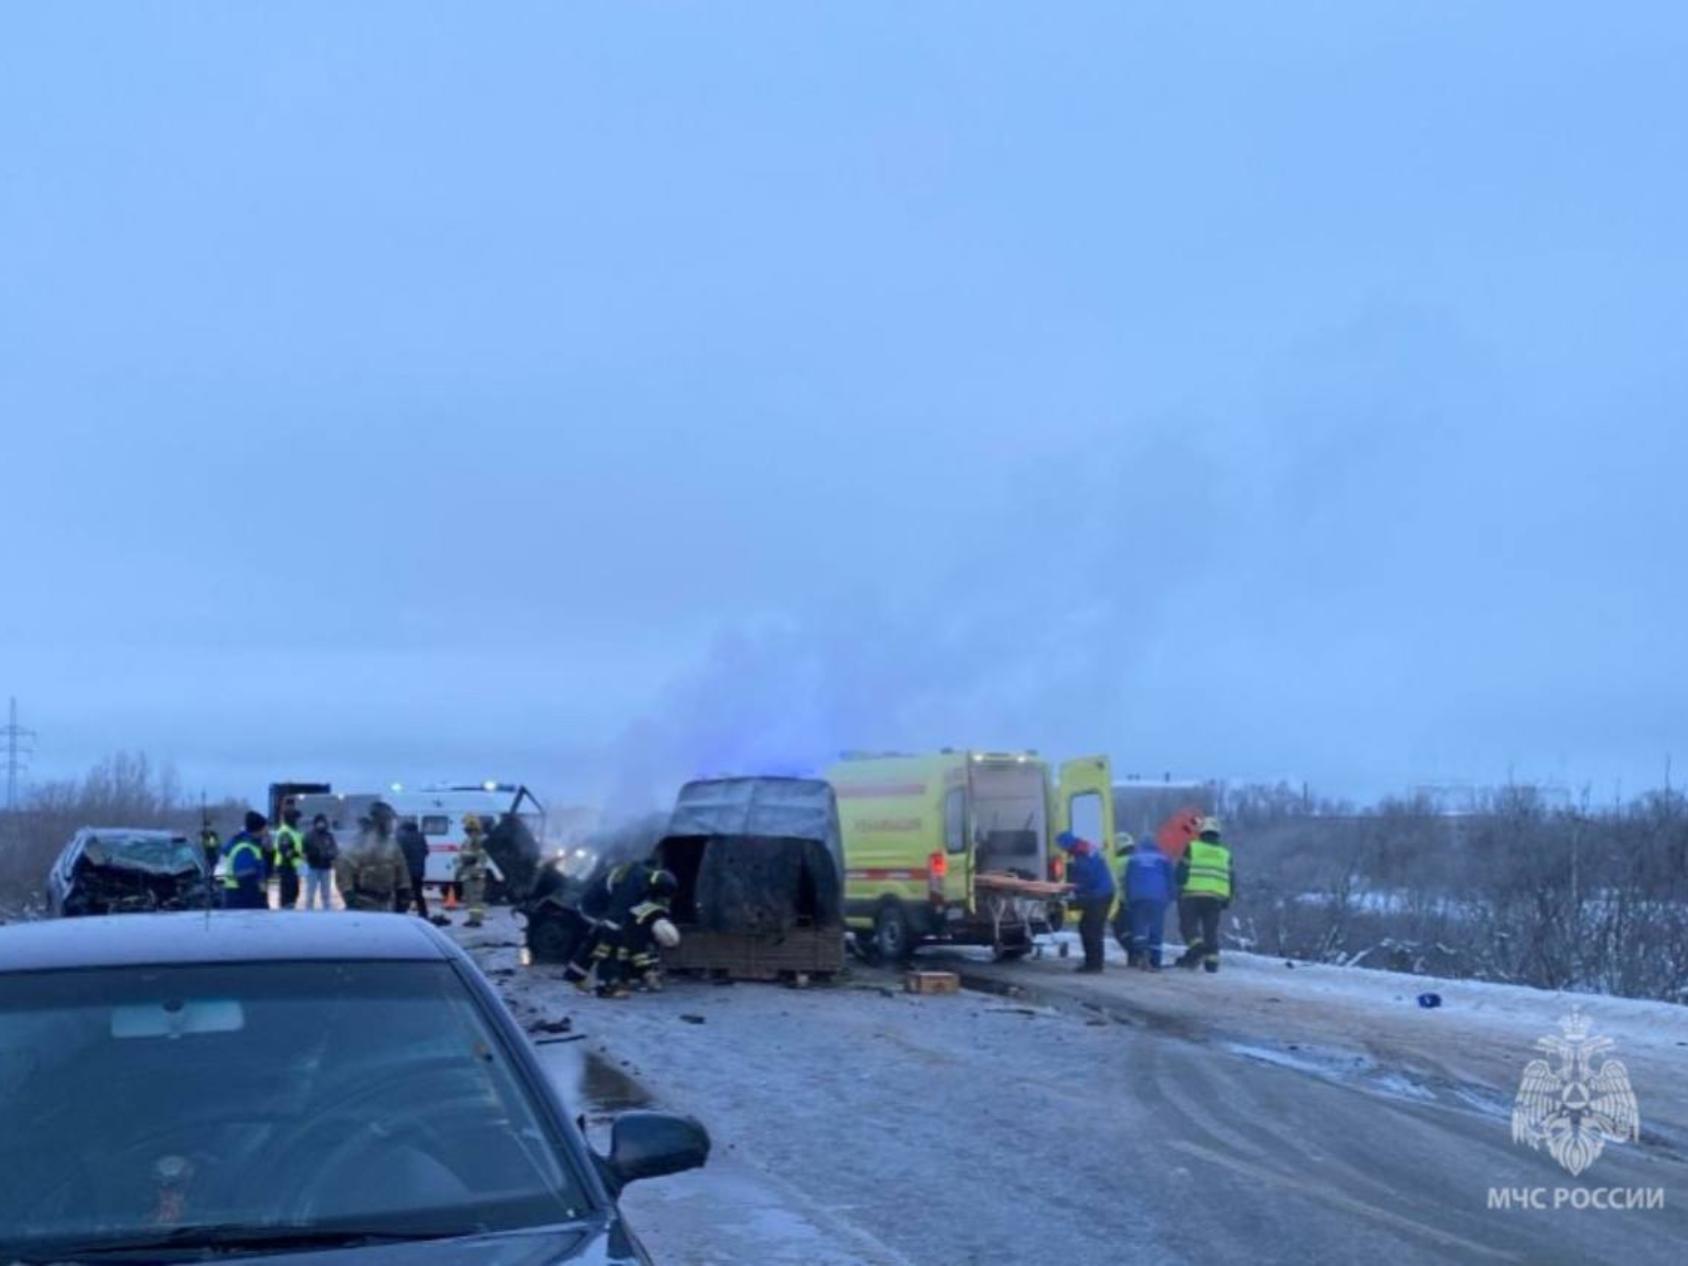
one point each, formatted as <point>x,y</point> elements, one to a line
<point>1132,1118</point>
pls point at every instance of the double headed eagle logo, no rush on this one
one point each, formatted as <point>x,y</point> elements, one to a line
<point>1568,1105</point>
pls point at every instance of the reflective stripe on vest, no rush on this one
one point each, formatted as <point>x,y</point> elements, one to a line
<point>289,845</point>
<point>231,880</point>
<point>1210,870</point>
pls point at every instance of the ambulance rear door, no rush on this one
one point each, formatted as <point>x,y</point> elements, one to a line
<point>1084,803</point>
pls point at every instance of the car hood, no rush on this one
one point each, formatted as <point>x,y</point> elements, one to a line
<point>593,1244</point>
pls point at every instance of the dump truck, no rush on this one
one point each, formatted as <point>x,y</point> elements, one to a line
<point>959,846</point>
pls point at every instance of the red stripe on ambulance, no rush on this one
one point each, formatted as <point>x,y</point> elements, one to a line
<point>874,875</point>
<point>879,790</point>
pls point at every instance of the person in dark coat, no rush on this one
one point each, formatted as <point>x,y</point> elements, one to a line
<point>321,852</point>
<point>1093,893</point>
<point>414,845</point>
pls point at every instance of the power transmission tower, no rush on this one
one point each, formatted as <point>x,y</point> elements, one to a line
<point>18,749</point>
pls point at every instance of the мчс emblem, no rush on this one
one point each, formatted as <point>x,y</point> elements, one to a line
<point>1571,1106</point>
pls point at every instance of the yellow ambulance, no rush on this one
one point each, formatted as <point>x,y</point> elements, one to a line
<point>927,838</point>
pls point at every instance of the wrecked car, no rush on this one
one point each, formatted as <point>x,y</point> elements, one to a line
<point>121,870</point>
<point>538,886</point>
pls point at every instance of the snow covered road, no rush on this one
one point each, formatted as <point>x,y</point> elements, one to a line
<point>1085,1121</point>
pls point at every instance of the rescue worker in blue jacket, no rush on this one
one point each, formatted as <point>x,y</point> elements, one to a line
<point>1149,889</point>
<point>247,870</point>
<point>1093,893</point>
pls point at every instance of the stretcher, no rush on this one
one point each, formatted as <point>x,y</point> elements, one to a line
<point>1036,906</point>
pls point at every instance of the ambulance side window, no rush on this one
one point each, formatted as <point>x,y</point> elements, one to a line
<point>1087,818</point>
<point>955,820</point>
<point>436,824</point>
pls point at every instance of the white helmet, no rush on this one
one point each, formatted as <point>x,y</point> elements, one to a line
<point>667,935</point>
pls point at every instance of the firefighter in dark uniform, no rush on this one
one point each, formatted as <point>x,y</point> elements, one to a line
<point>623,909</point>
<point>636,955</point>
<point>619,889</point>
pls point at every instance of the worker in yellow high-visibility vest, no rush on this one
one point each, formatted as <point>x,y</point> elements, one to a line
<point>287,857</point>
<point>1206,885</point>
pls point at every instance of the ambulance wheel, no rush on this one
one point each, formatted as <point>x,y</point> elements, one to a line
<point>893,938</point>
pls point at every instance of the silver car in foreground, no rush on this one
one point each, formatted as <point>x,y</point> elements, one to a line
<point>266,1085</point>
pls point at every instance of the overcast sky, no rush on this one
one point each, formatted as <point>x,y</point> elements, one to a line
<point>599,394</point>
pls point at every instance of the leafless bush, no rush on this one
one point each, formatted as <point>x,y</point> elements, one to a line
<point>1517,890</point>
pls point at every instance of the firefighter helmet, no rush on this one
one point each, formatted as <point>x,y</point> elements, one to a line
<point>666,934</point>
<point>664,884</point>
<point>1208,826</point>
<point>471,824</point>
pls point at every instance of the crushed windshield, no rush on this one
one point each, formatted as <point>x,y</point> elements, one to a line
<point>148,1103</point>
<point>150,852</point>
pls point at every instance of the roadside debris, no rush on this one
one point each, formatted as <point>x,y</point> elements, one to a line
<point>564,1025</point>
<point>931,982</point>
<point>692,1019</point>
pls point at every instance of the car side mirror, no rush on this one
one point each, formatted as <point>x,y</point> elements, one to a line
<point>651,1144</point>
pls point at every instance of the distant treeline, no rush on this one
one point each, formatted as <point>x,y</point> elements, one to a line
<point>1514,889</point>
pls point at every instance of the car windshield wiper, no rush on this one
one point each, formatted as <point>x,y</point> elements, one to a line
<point>234,1238</point>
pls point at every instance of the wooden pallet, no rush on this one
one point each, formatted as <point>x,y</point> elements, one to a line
<point>799,955</point>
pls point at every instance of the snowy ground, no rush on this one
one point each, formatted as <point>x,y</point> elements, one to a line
<point>1267,1114</point>
<point>1368,1026</point>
